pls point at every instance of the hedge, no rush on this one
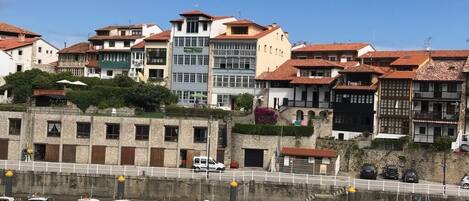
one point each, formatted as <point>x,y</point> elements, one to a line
<point>173,110</point>
<point>256,129</point>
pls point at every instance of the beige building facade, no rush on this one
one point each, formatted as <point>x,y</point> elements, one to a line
<point>106,139</point>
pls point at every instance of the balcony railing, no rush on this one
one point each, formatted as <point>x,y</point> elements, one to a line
<point>438,94</point>
<point>307,104</point>
<point>436,116</point>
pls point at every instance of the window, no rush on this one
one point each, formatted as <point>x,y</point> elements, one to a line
<point>192,25</point>
<point>451,87</point>
<point>200,134</point>
<point>122,33</point>
<point>156,56</point>
<point>239,30</point>
<point>326,161</point>
<point>126,43</point>
<point>109,73</point>
<point>53,128</point>
<point>83,129</point>
<point>14,126</point>
<point>142,132</point>
<point>112,44</point>
<point>332,58</point>
<point>179,26</point>
<point>20,52</point>
<point>112,131</point>
<point>39,49</point>
<point>19,68</point>
<point>422,130</point>
<point>311,159</point>
<point>155,73</point>
<point>205,26</point>
<point>39,61</point>
<point>451,132</point>
<point>424,87</point>
<point>136,32</point>
<point>171,133</point>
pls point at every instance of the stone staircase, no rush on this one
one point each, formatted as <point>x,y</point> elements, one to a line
<point>333,194</point>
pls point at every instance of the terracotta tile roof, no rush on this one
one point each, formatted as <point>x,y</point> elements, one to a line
<point>308,63</point>
<point>332,47</point>
<point>364,68</point>
<point>195,12</point>
<point>92,38</point>
<point>349,64</point>
<point>113,50</point>
<point>411,60</point>
<point>140,45</point>
<point>244,22</point>
<point>4,27</point>
<point>92,64</point>
<point>372,87</point>
<point>246,37</point>
<point>286,71</point>
<point>163,36</point>
<point>13,43</point>
<point>45,92</point>
<point>220,17</point>
<point>309,152</point>
<point>128,26</point>
<point>314,81</point>
<point>441,70</point>
<point>82,47</point>
<point>466,66</point>
<point>401,53</point>
<point>408,75</point>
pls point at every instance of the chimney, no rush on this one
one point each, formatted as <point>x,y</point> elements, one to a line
<point>286,34</point>
<point>274,24</point>
<point>65,44</point>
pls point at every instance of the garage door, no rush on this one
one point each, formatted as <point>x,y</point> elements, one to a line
<point>4,149</point>
<point>98,154</point>
<point>68,153</point>
<point>52,152</point>
<point>127,155</point>
<point>157,157</point>
<point>253,158</point>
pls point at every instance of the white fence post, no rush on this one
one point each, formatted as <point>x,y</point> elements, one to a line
<point>74,168</point>
<point>47,166</point>
<point>192,175</point>
<point>293,177</point>
<point>413,187</point>
<point>97,168</point>
<point>383,185</point>
<point>320,180</point>
<point>335,180</point>
<point>398,187</point>
<point>110,170</point>
<point>166,172</point>
<point>87,168</point>
<point>219,176</point>
<point>368,186</point>
<point>279,178</point>
<point>179,172</point>
<point>32,166</point>
<point>60,167</point>
<point>234,175</point>
<point>265,176</point>
<point>243,175</point>
<point>151,172</point>
<point>428,189</point>
<point>125,169</point>
<point>6,164</point>
<point>252,175</point>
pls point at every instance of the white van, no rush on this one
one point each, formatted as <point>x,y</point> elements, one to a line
<point>200,163</point>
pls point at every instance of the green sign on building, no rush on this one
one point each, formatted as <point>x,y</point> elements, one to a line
<point>193,49</point>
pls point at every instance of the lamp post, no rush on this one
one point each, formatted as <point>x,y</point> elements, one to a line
<point>208,144</point>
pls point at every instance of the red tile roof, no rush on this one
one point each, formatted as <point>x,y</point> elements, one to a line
<point>200,13</point>
<point>308,152</point>
<point>163,36</point>
<point>128,26</point>
<point>139,45</point>
<point>114,37</point>
<point>401,53</point>
<point>13,43</point>
<point>4,27</point>
<point>308,63</point>
<point>244,22</point>
<point>407,75</point>
<point>411,60</point>
<point>314,81</point>
<point>441,70</point>
<point>332,47</point>
<point>81,48</point>
<point>246,37</point>
<point>364,68</point>
<point>42,92</point>
<point>466,66</point>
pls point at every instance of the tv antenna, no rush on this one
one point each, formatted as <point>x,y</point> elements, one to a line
<point>428,44</point>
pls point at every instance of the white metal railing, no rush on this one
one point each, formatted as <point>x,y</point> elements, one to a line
<point>238,175</point>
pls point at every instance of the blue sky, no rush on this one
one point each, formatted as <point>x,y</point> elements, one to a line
<point>391,24</point>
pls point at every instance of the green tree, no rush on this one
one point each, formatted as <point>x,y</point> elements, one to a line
<point>123,81</point>
<point>442,143</point>
<point>149,97</point>
<point>245,101</point>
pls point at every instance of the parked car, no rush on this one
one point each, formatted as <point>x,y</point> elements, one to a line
<point>368,172</point>
<point>410,176</point>
<point>200,163</point>
<point>391,172</point>
<point>465,181</point>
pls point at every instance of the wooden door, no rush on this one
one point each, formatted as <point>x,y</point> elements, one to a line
<point>98,154</point>
<point>253,158</point>
<point>69,153</point>
<point>157,157</point>
<point>221,155</point>
<point>127,155</point>
<point>4,149</point>
<point>190,156</point>
<point>52,152</point>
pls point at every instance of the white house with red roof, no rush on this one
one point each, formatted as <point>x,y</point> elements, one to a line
<point>333,51</point>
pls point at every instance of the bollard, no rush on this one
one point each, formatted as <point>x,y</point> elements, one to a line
<point>233,190</point>
<point>8,183</point>
<point>120,187</point>
<point>351,193</point>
